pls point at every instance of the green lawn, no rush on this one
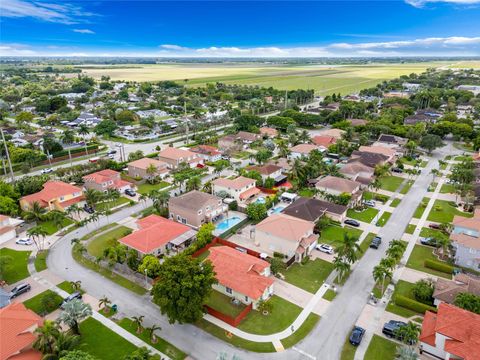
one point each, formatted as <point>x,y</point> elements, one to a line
<point>384,218</point>
<point>306,192</point>
<point>67,286</point>
<point>381,349</point>
<point>334,234</point>
<point>37,305</point>
<point>310,276</point>
<point>443,212</point>
<point>408,161</point>
<point>406,187</point>
<point>98,231</point>
<point>403,288</point>
<point>395,202</point>
<point>303,331</point>
<point>367,195</point>
<point>161,344</point>
<point>365,244</point>
<point>421,208</point>
<point>15,269</point>
<point>348,350</point>
<point>417,259</point>
<point>390,183</point>
<point>103,343</point>
<point>51,228</point>
<point>366,215</point>
<point>146,187</point>
<point>106,240</point>
<point>423,163</point>
<point>218,332</point>
<point>462,158</point>
<point>447,189</point>
<point>329,295</point>
<point>282,315</point>
<point>223,303</point>
<point>410,229</point>
<point>432,187</point>
<point>41,260</point>
<point>111,204</point>
<point>437,234</point>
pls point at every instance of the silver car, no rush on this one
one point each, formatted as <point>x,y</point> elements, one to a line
<point>24,241</point>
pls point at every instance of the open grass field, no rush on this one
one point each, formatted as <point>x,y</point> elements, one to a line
<point>14,268</point>
<point>325,79</point>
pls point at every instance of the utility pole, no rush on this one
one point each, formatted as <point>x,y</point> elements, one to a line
<point>186,120</point>
<point>286,99</point>
<point>8,156</point>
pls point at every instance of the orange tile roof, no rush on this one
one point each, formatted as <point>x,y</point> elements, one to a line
<point>268,131</point>
<point>15,320</point>
<point>51,190</point>
<point>175,154</point>
<point>286,227</point>
<point>155,232</point>
<point>206,150</point>
<point>102,176</point>
<point>238,183</point>
<point>304,148</point>
<point>249,193</point>
<point>324,140</point>
<point>145,163</point>
<point>240,271</point>
<point>461,326</point>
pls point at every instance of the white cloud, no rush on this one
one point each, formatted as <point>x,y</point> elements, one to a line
<point>84,31</point>
<point>172,47</point>
<point>422,3</point>
<point>50,12</point>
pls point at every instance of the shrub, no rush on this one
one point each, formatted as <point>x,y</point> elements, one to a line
<point>233,206</point>
<point>414,305</point>
<point>439,266</point>
<point>423,291</point>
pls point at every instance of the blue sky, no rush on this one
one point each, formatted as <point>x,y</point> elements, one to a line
<point>240,28</point>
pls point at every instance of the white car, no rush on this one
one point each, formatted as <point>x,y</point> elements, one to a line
<point>24,241</point>
<point>369,203</point>
<point>46,171</point>
<point>325,248</point>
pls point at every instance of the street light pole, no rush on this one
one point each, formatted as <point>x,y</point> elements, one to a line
<point>146,283</point>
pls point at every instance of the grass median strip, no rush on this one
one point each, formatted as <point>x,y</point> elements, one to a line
<point>41,260</point>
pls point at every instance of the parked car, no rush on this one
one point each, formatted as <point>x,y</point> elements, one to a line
<point>352,222</point>
<point>325,248</point>
<point>46,171</point>
<point>19,290</point>
<point>390,328</point>
<point>434,226</point>
<point>112,151</point>
<point>397,170</point>
<point>376,241</point>
<point>370,203</point>
<point>75,295</point>
<point>88,209</point>
<point>111,156</point>
<point>130,192</point>
<point>225,157</point>
<point>357,335</point>
<point>24,241</point>
<point>430,241</point>
<point>94,159</point>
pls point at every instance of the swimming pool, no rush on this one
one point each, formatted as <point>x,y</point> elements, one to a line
<point>260,200</point>
<point>227,223</point>
<point>277,209</point>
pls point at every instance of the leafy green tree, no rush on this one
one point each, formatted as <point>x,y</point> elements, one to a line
<point>468,301</point>
<point>247,122</point>
<point>406,353</point>
<point>184,285</point>
<point>106,127</point>
<point>73,312</point>
<point>46,337</point>
<point>277,265</point>
<point>194,183</point>
<point>140,354</point>
<point>256,211</point>
<point>77,355</point>
<point>151,265</point>
<point>430,142</point>
<point>8,206</point>
<point>263,155</point>
<point>269,183</point>
<point>126,117</point>
<point>24,118</point>
<point>205,234</point>
<point>423,290</point>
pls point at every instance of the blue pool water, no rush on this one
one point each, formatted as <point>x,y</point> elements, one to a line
<point>227,223</point>
<point>277,209</point>
<point>260,200</point>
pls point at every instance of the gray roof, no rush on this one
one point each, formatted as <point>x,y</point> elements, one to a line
<point>312,209</point>
<point>194,200</point>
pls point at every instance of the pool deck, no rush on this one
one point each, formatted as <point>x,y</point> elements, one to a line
<point>231,214</point>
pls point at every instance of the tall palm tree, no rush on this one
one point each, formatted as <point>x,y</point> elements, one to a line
<point>341,266</point>
<point>37,233</point>
<point>76,285</point>
<point>46,337</point>
<point>112,195</point>
<point>304,136</point>
<point>64,343</point>
<point>408,334</point>
<point>138,321</point>
<point>194,183</point>
<point>349,248</point>
<point>92,196</point>
<point>35,213</point>
<point>444,243</point>
<point>151,330</point>
<point>380,273</point>
<point>151,171</point>
<point>104,302</point>
<point>73,209</point>
<point>84,131</point>
<point>73,312</point>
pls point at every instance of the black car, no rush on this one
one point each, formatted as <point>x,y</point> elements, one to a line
<point>390,328</point>
<point>357,335</point>
<point>75,295</point>
<point>19,290</point>
<point>111,152</point>
<point>377,240</point>
<point>88,209</point>
<point>130,192</point>
<point>352,222</point>
<point>397,170</point>
<point>429,241</point>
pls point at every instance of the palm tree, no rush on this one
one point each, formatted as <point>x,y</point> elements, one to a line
<point>283,149</point>
<point>57,218</point>
<point>435,173</point>
<point>143,199</point>
<point>67,137</point>
<point>94,218</point>
<point>138,320</point>
<point>395,252</point>
<point>76,285</point>
<point>37,233</point>
<point>35,213</point>
<point>152,330</point>
<point>73,312</point>
<point>194,183</point>
<point>444,243</point>
<point>304,136</point>
<point>84,131</point>
<point>151,170</point>
<point>104,302</point>
<point>408,334</point>
<point>112,195</point>
<point>349,249</point>
<point>406,353</point>
<point>92,196</point>
<point>46,336</point>
<point>73,209</point>
<point>380,273</point>
<point>341,267</point>
<point>64,343</point>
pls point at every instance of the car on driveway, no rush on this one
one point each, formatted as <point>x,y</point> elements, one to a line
<point>352,222</point>
<point>75,295</point>
<point>19,290</point>
<point>397,170</point>
<point>88,209</point>
<point>434,226</point>
<point>390,328</point>
<point>370,203</point>
<point>46,171</point>
<point>376,241</point>
<point>325,248</point>
<point>357,335</point>
<point>112,151</point>
<point>429,241</point>
<point>130,192</point>
<point>24,241</point>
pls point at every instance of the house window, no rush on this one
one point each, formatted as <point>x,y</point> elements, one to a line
<point>246,298</point>
<point>179,218</point>
<point>199,212</point>
<point>228,290</point>
<point>184,221</point>
<point>61,198</point>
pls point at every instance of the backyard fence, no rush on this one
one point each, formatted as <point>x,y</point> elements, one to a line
<point>234,321</point>
<point>219,241</point>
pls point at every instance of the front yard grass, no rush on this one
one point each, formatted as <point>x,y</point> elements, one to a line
<point>366,215</point>
<point>443,212</point>
<point>15,267</point>
<point>381,349</point>
<point>306,192</point>
<point>50,228</point>
<point>103,343</point>
<point>67,287</point>
<point>395,202</point>
<point>303,331</point>
<point>421,208</point>
<point>309,276</point>
<point>437,234</point>
<point>403,288</point>
<point>329,295</point>
<point>41,260</point>
<point>384,218</point>
<point>103,206</point>
<point>367,195</point>
<point>145,188</point>
<point>98,231</point>
<point>334,234</point>
<point>282,315</point>
<point>37,305</point>
<point>348,350</point>
<point>410,229</point>
<point>417,259</point>
<point>161,344</point>
<point>390,183</point>
<point>223,303</point>
<point>406,187</point>
<point>447,189</point>
<point>106,240</point>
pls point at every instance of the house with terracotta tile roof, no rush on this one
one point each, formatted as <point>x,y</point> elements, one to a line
<point>138,168</point>
<point>357,122</point>
<point>268,132</point>
<point>174,157</point>
<point>106,179</point>
<point>241,276</point>
<point>157,235</point>
<point>447,290</point>
<point>248,137</point>
<point>336,133</point>
<point>451,333</point>
<point>17,326</point>
<point>229,144</point>
<point>285,234</point>
<point>8,228</point>
<point>465,238</point>
<point>324,140</point>
<point>302,150</point>
<point>368,158</point>
<point>355,170</point>
<point>336,186</point>
<point>207,152</point>
<point>196,208</point>
<point>269,171</point>
<point>55,195</point>
<point>240,188</point>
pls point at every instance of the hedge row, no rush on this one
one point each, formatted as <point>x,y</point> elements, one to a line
<point>76,150</point>
<point>414,305</point>
<point>439,266</point>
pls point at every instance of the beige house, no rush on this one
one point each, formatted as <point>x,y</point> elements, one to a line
<point>302,150</point>
<point>355,170</point>
<point>8,228</point>
<point>174,157</point>
<point>269,171</point>
<point>268,132</point>
<point>240,189</point>
<point>287,235</point>
<point>55,195</point>
<point>106,179</point>
<point>229,144</point>
<point>383,150</point>
<point>138,168</point>
<point>336,186</point>
<point>196,208</point>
